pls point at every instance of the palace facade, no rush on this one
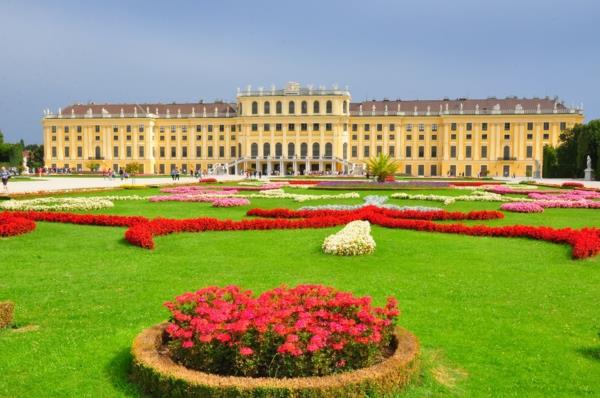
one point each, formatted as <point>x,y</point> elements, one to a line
<point>297,130</point>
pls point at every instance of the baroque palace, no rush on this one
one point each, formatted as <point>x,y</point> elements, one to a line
<point>300,130</point>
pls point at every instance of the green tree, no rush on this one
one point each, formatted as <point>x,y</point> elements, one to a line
<point>381,167</point>
<point>566,153</point>
<point>132,169</point>
<point>550,164</point>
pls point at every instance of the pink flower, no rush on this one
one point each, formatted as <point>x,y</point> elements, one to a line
<point>245,351</point>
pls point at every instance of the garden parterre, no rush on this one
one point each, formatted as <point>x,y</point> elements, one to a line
<point>489,278</point>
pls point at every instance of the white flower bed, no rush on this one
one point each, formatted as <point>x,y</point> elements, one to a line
<point>370,200</point>
<point>281,194</point>
<point>475,196</point>
<point>57,204</point>
<point>353,240</point>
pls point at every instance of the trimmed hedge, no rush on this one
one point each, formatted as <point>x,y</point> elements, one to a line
<point>7,309</point>
<point>159,376</point>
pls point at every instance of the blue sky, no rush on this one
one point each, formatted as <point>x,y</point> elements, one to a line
<point>54,53</point>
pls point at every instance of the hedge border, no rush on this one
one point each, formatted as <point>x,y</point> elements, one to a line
<point>159,376</point>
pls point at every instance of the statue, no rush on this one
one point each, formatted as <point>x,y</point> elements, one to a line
<point>588,171</point>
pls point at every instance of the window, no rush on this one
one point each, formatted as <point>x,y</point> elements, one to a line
<point>409,137</point>
<point>421,137</point>
<point>315,127</point>
<point>366,151</point>
<point>254,127</point>
<point>53,129</point>
<point>355,127</point>
<point>116,152</point>
<point>210,128</point>
<point>434,137</point>
<point>67,152</point>
<point>469,126</point>
<point>367,137</point>
<point>97,138</point>
<point>507,136</point>
<point>79,151</point>
<point>254,108</point>
<point>434,127</point>
<point>344,107</point>
<point>291,107</point>
<point>354,137</point>
<point>254,149</point>
<point>328,127</point>
<point>304,107</point>
<point>484,152</point>
<point>484,136</point>
<point>267,127</point>
<point>392,151</point>
<point>421,151</point>
<point>408,169</point>
<point>141,128</point>
<point>53,151</point>
<point>453,151</point>
<point>291,127</point>
<point>128,151</point>
<point>506,152</point>
<point>79,129</point>
<point>278,127</point>
<point>563,126</point>
<point>232,151</point>
<point>316,150</point>
<point>453,137</point>
<point>304,149</point>
<point>328,150</point>
<point>529,126</point>
<point>529,136</point>
<point>278,107</point>
<point>174,129</point>
<point>354,151</point>
<point>408,151</point>
<point>98,152</point>
<point>329,107</point>
<point>409,127</point>
<point>267,108</point>
<point>316,107</point>
<point>303,126</point>
<point>97,129</point>
<point>367,127</point>
<point>484,126</point>
<point>161,151</point>
<point>141,151</point>
<point>529,151</point>
<point>198,129</point>
<point>421,127</point>
<point>392,127</point>
<point>421,170</point>
<point>379,137</point>
<point>546,126</point>
<point>221,128</point>
<point>210,151</point>
<point>453,126</point>
<point>378,150</point>
<point>468,152</point>
<point>127,129</point>
<point>433,171</point>
<point>198,151</point>
<point>546,136</point>
<point>198,138</point>
<point>173,152</point>
<point>468,136</point>
<point>66,129</point>
<point>506,126</point>
<point>434,151</point>
<point>379,127</point>
<point>222,151</point>
<point>291,149</point>
<point>392,137</point>
<point>162,129</point>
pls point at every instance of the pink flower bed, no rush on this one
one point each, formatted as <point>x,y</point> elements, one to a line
<point>570,195</point>
<point>230,202</point>
<point>568,204</point>
<point>522,207</point>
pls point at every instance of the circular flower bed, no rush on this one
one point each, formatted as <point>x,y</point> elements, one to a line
<point>305,341</point>
<point>11,226</point>
<point>57,204</point>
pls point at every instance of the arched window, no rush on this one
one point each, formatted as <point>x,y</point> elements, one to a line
<point>291,107</point>
<point>254,150</point>
<point>254,108</point>
<point>267,108</point>
<point>278,149</point>
<point>329,107</point>
<point>98,153</point>
<point>291,149</point>
<point>304,107</point>
<point>266,149</point>
<point>316,150</point>
<point>278,107</point>
<point>316,107</point>
<point>304,149</point>
<point>328,150</point>
<point>345,107</point>
<point>506,152</point>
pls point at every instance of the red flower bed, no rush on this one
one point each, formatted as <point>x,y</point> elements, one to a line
<point>208,180</point>
<point>12,225</point>
<point>570,184</point>
<point>299,182</point>
<point>309,330</point>
<point>83,219</point>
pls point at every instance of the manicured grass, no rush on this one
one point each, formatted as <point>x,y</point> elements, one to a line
<point>495,316</point>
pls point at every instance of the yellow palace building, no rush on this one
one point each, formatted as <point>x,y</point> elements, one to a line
<point>301,130</point>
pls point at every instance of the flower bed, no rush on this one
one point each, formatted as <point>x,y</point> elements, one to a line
<point>12,225</point>
<point>370,200</point>
<point>353,240</point>
<point>571,184</point>
<point>208,180</point>
<point>57,204</point>
<point>230,202</point>
<point>475,196</point>
<point>522,207</point>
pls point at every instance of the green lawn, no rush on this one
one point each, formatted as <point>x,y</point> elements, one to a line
<point>498,317</point>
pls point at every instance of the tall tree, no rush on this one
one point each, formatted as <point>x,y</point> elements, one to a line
<point>550,166</point>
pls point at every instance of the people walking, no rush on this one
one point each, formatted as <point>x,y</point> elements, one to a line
<point>4,175</point>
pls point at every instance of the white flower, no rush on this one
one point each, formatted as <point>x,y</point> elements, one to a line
<point>57,204</point>
<point>353,240</point>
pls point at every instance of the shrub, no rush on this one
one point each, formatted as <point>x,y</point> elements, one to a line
<point>309,330</point>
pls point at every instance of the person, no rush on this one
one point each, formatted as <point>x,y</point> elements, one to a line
<point>4,175</point>
<point>176,173</point>
<point>173,174</point>
<point>121,174</point>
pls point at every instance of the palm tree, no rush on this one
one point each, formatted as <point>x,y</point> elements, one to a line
<point>381,167</point>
